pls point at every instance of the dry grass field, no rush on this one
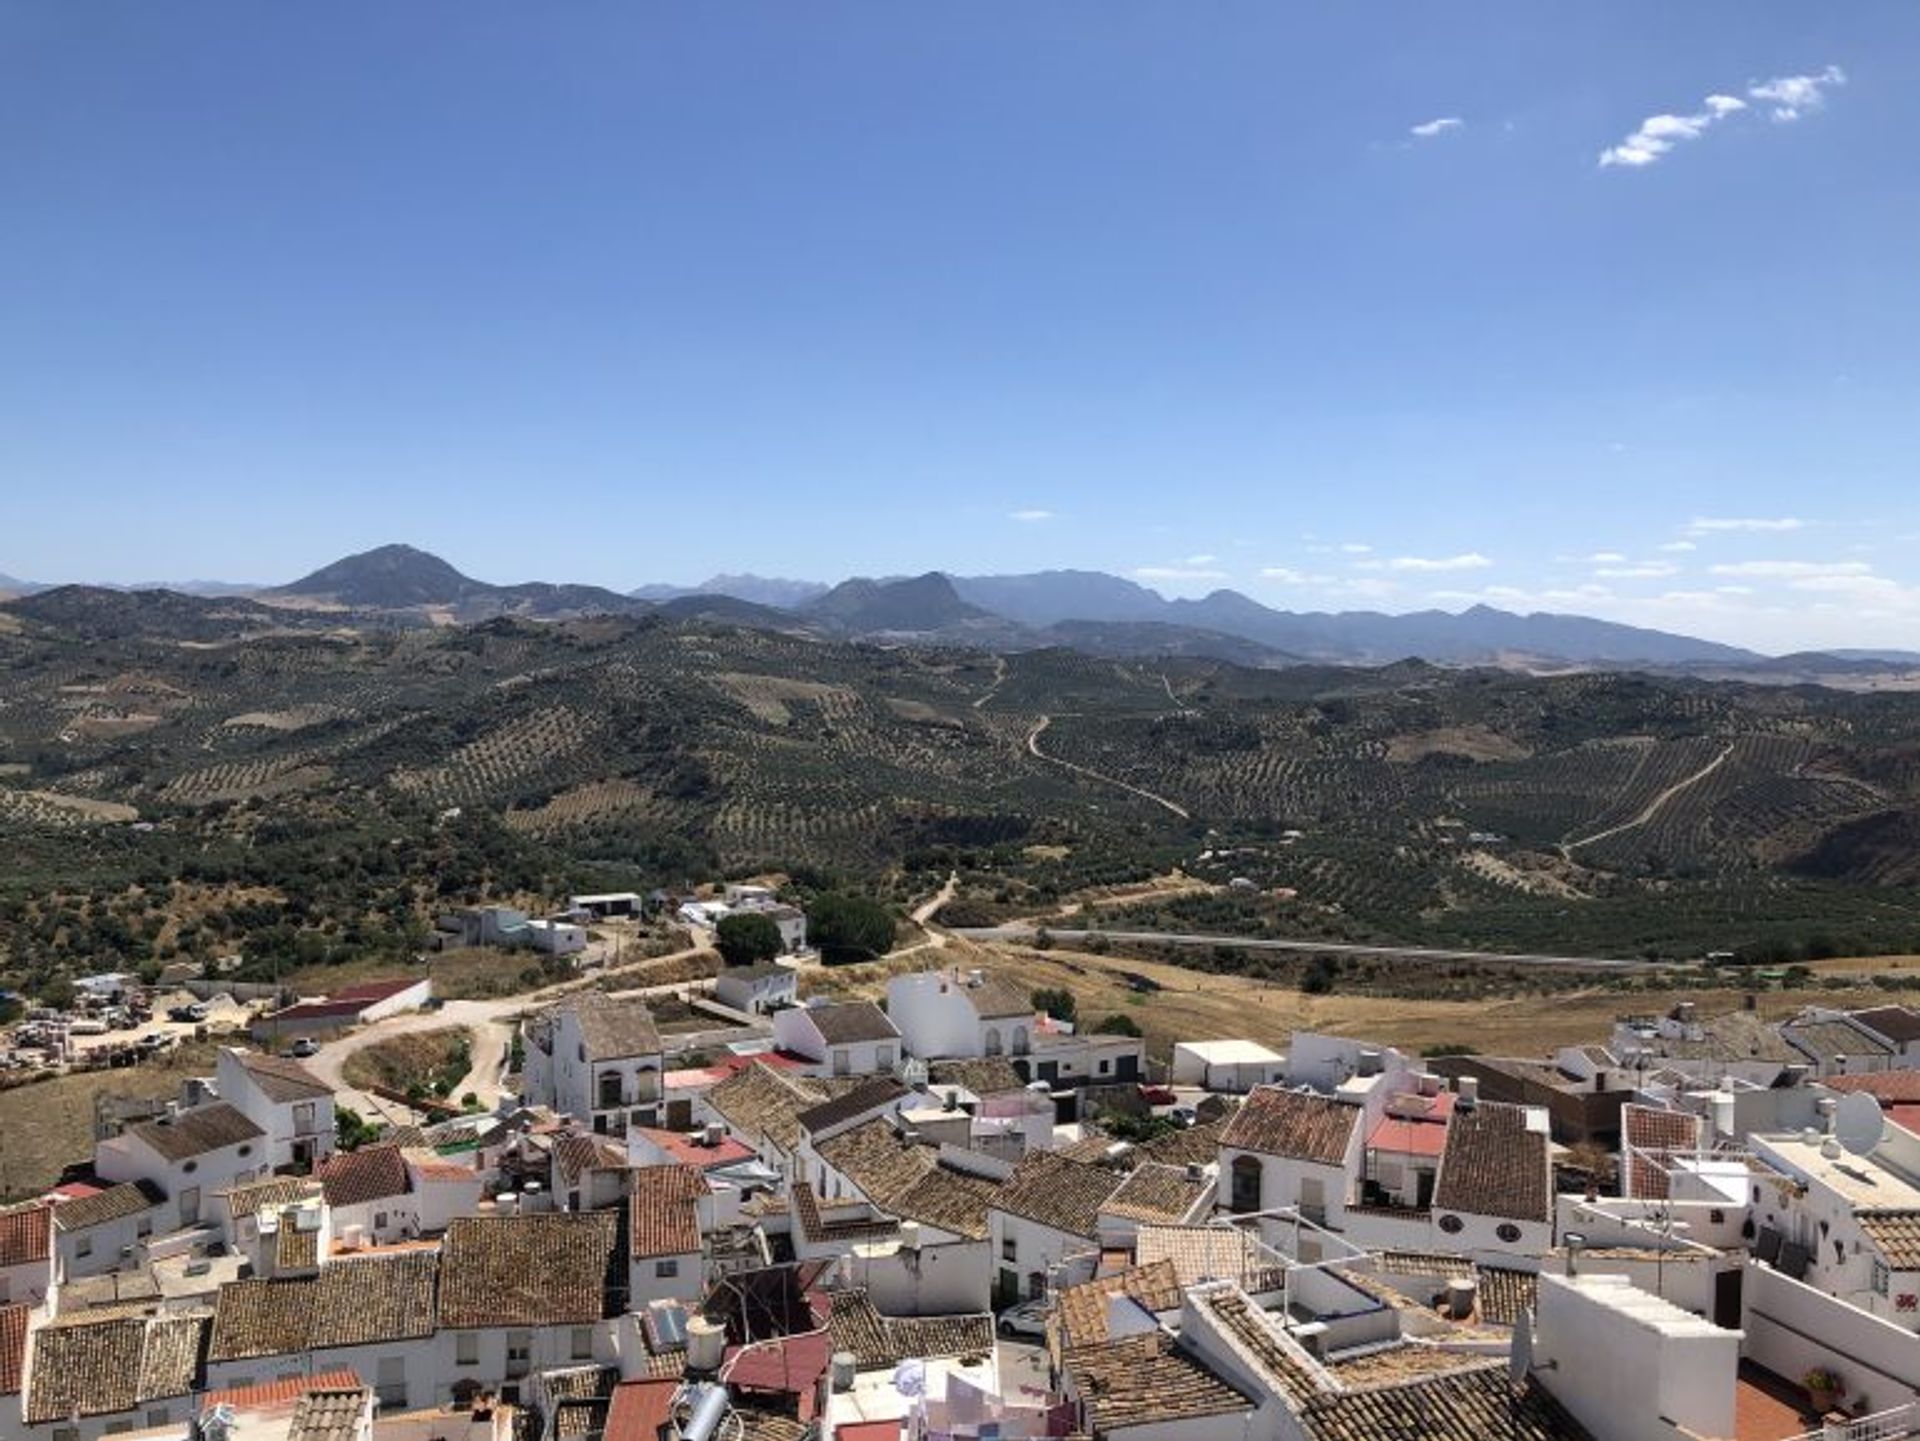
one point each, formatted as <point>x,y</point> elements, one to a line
<point>414,1058</point>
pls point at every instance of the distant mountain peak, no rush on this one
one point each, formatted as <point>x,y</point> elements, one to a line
<point>388,577</point>
<point>917,604</point>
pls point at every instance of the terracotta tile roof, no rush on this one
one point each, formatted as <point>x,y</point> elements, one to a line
<point>1293,1124</point>
<point>951,1200</point>
<point>271,1194</point>
<point>999,997</point>
<point>1466,1405</point>
<point>851,1022</point>
<point>760,1102</point>
<point>759,1425</point>
<point>196,1132</point>
<point>1494,1166</point>
<point>1081,1312</point>
<point>542,1270</point>
<point>372,1173</point>
<point>981,1075</point>
<point>639,1410</point>
<point>663,1217</point>
<point>26,1234</point>
<point>329,1414</point>
<point>1824,1040</point>
<point>1193,1146</point>
<point>789,1366</point>
<point>1210,1253</point>
<point>280,1079</point>
<point>271,1394</point>
<point>689,1152</point>
<point>429,1165</point>
<point>612,1029</point>
<point>1285,1362</point>
<point>575,1154</point>
<point>1065,1195</point>
<point>841,1223</point>
<point>883,1342</point>
<point>92,1366</point>
<point>1502,1294</point>
<point>873,1093</point>
<point>1143,1381</point>
<point>113,1204</point>
<point>352,1302</point>
<point>1898,1024</point>
<point>1649,1137</point>
<point>1158,1193</point>
<point>1887,1087</point>
<point>1895,1234</point>
<point>13,1346</point>
<point>876,1160</point>
<point>296,1248</point>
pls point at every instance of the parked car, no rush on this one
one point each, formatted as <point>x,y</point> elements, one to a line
<point>1028,1319</point>
<point>86,1027</point>
<point>1157,1095</point>
<point>190,1014</point>
<point>305,1046</point>
<point>156,1041</point>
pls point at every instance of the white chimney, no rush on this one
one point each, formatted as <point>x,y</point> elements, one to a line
<point>843,1370</point>
<point>1469,1091</point>
<point>706,1344</point>
<point>716,1133</point>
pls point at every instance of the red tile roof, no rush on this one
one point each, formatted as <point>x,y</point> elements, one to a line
<point>1293,1124</point>
<point>663,1211</point>
<point>372,1173</point>
<point>13,1347</point>
<point>1650,1137</point>
<point>1408,1138</point>
<point>1884,1086</point>
<point>270,1394</point>
<point>792,1365</point>
<point>26,1234</point>
<point>639,1409</point>
<point>686,1151</point>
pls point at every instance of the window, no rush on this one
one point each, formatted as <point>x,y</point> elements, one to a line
<point>1009,1249</point>
<point>883,1058</point>
<point>1880,1277</point>
<point>1021,1044</point>
<point>519,1352</point>
<point>118,1428</point>
<point>1452,1225</point>
<point>66,1433</point>
<point>379,1220</point>
<point>1244,1194</point>
<point>466,1348</point>
<point>156,1416</point>
<point>842,1063</point>
<point>84,1246</point>
<point>189,1168</point>
<point>390,1383</point>
<point>246,1150</point>
<point>612,1093</point>
<point>303,1118</point>
<point>142,1227</point>
<point>1507,1232</point>
<point>583,1343</point>
<point>993,1040</point>
<point>670,1266</point>
<point>1105,1066</point>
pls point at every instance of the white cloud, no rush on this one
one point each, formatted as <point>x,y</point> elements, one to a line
<point>1030,515</point>
<point>1789,96</point>
<point>1176,572</point>
<point>1705,524</point>
<point>1792,569</point>
<point>1427,129</point>
<point>1642,571</point>
<point>1200,560</point>
<point>1679,547</point>
<point>1656,136</point>
<point>1605,557</point>
<point>1733,590</point>
<point>1472,560</point>
<point>1792,96</point>
<point>1354,548</point>
<point>1287,575</point>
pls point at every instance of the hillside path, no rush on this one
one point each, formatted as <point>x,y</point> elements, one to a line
<point>930,907</point>
<point>1654,805</point>
<point>1033,745</point>
<point>999,674</point>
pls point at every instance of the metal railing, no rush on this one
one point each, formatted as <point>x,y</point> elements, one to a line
<point>1895,1424</point>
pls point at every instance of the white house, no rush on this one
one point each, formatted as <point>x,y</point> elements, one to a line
<point>188,1155</point>
<point>370,1192</point>
<point>1233,1066</point>
<point>94,1233</point>
<point>1292,1149</point>
<point>26,1253</point>
<point>597,1059</point>
<point>664,1259</point>
<point>556,938</point>
<point>757,990</point>
<point>87,1376</point>
<point>955,1013</point>
<point>1047,1210</point>
<point>1494,1190</point>
<point>851,1038</point>
<point>290,1105</point>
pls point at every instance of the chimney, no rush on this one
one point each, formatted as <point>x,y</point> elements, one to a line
<point>1469,1093</point>
<point>1826,1106</point>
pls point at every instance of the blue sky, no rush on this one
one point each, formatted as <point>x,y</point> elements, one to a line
<point>1604,308</point>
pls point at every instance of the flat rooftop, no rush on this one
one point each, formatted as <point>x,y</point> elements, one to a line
<point>1231,1053</point>
<point>1860,1180</point>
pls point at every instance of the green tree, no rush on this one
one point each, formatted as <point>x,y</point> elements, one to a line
<point>351,1131</point>
<point>1056,1001</point>
<point>849,928</point>
<point>748,939</point>
<point>1117,1025</point>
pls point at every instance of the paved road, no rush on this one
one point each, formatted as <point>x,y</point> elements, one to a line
<point>1346,948</point>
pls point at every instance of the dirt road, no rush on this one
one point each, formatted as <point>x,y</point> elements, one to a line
<point>1033,745</point>
<point>1653,806</point>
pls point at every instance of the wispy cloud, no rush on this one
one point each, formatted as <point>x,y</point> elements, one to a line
<point>1708,524</point>
<point>1287,575</point>
<point>1199,560</point>
<point>1428,129</point>
<point>1030,515</point>
<point>1605,557</point>
<point>1792,96</point>
<point>1679,547</point>
<point>1472,560</point>
<point>1643,570</point>
<point>1356,548</point>
<point>1792,569</point>
<point>1788,96</point>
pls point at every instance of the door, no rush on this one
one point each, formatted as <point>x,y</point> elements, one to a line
<point>189,1205</point>
<point>1726,1299</point>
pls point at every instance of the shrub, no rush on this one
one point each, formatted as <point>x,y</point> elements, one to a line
<point>849,928</point>
<point>1117,1025</point>
<point>748,939</point>
<point>1056,1001</point>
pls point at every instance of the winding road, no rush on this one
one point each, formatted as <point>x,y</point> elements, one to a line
<point>1654,805</point>
<point>1033,745</point>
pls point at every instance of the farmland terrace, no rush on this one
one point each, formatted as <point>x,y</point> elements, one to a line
<point>337,778</point>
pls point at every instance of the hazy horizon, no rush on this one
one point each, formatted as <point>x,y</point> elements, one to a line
<point>1600,312</point>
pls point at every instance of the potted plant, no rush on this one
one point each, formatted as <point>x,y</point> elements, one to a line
<point>1823,1388</point>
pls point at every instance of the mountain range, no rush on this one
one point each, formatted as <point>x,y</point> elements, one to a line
<point>1084,610</point>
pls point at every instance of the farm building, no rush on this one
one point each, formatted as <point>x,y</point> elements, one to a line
<point>1236,1066</point>
<point>612,903</point>
<point>351,1006</point>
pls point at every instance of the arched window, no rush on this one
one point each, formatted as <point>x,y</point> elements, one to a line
<point>993,1040</point>
<point>1247,1176</point>
<point>1020,1042</point>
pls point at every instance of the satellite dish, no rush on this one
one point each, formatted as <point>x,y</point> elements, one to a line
<point>1857,1122</point>
<point>1520,1358</point>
